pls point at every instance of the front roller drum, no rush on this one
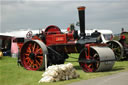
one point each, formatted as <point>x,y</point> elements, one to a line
<point>96,59</point>
<point>32,55</point>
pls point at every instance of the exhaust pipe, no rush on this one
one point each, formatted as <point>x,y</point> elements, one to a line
<point>81,11</point>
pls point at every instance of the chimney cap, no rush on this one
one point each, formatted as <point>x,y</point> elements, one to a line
<point>81,8</point>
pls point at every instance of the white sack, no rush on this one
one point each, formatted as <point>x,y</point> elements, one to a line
<point>59,72</point>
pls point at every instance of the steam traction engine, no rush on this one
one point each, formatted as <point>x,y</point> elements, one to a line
<point>120,48</point>
<point>57,45</point>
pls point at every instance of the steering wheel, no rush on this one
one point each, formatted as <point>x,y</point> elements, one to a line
<point>29,35</point>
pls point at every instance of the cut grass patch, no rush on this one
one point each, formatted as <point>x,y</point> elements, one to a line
<point>12,74</point>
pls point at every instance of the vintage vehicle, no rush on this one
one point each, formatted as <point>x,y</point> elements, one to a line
<point>120,47</point>
<point>56,46</point>
<point>124,41</point>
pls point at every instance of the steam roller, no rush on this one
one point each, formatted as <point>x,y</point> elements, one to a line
<point>97,59</point>
<point>56,45</point>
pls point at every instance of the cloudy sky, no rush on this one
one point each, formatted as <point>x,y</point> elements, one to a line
<point>38,14</point>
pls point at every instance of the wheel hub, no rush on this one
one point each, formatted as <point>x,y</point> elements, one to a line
<point>32,56</point>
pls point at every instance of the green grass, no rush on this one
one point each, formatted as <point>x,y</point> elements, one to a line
<point>12,74</point>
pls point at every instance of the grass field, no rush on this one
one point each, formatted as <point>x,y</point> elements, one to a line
<point>12,74</point>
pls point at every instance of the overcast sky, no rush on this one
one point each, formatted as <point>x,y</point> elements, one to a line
<point>38,14</point>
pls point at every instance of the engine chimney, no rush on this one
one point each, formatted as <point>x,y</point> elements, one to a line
<point>81,11</point>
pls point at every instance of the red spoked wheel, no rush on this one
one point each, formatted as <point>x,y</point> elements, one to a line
<point>32,55</point>
<point>89,63</point>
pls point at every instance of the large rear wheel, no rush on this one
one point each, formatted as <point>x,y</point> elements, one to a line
<point>32,55</point>
<point>117,49</point>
